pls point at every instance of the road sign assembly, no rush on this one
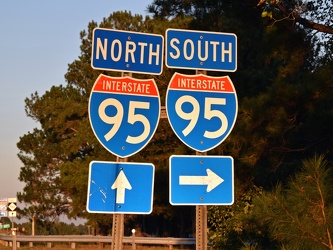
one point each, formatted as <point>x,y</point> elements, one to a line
<point>125,188</point>
<point>124,113</point>
<point>127,51</point>
<point>201,109</point>
<point>201,180</point>
<point>191,49</point>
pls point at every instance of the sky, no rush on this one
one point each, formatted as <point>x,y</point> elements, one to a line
<point>38,40</point>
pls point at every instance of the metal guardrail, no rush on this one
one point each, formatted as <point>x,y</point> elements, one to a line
<point>72,239</point>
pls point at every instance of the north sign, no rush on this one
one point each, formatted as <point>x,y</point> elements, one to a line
<point>201,109</point>
<point>124,187</point>
<point>127,51</point>
<point>124,113</point>
<point>191,49</point>
<point>201,180</point>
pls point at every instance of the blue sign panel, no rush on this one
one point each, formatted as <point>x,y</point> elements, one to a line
<point>201,109</point>
<point>125,188</point>
<point>201,180</point>
<point>124,113</point>
<point>127,51</point>
<point>190,49</point>
<point>3,207</point>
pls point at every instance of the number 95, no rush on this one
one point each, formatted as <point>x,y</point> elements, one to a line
<point>116,120</point>
<point>209,113</point>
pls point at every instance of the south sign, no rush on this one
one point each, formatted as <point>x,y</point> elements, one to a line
<point>201,109</point>
<point>194,49</point>
<point>124,113</point>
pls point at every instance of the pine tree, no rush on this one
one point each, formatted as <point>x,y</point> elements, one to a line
<point>300,214</point>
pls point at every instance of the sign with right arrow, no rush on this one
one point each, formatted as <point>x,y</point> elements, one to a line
<point>201,180</point>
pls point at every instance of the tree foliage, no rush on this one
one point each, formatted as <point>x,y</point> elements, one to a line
<point>227,228</point>
<point>312,16</point>
<point>299,215</point>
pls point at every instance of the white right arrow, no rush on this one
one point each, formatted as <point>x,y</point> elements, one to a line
<point>121,183</point>
<point>212,180</point>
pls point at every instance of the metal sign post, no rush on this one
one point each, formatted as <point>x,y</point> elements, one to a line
<point>117,232</point>
<point>118,225</point>
<point>201,210</point>
<point>118,219</point>
<point>201,227</point>
<point>201,223</point>
<point>14,238</point>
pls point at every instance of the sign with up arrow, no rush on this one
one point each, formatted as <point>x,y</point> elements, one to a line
<point>120,187</point>
<point>201,180</point>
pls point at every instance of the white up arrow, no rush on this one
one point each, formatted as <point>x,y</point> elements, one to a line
<point>121,183</point>
<point>212,180</point>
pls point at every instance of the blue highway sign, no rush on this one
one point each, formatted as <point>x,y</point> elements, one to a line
<point>191,49</point>
<point>127,51</point>
<point>124,113</point>
<point>125,188</point>
<point>201,180</point>
<point>3,207</point>
<point>201,109</point>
